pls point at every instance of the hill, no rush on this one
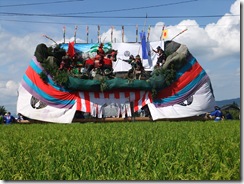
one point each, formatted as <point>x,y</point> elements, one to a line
<point>230,101</point>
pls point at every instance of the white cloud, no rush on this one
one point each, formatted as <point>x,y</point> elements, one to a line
<point>9,88</point>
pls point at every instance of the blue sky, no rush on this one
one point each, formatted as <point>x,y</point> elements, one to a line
<point>213,35</point>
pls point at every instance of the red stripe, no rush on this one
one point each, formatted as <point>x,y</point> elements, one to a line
<point>127,94</point>
<point>106,95</point>
<point>137,98</point>
<point>96,95</point>
<point>78,102</point>
<point>116,95</point>
<point>47,88</point>
<point>185,79</point>
<point>143,100</point>
<point>87,101</point>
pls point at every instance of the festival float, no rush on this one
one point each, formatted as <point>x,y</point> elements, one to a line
<point>69,78</point>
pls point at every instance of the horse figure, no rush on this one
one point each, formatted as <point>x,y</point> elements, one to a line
<point>99,64</point>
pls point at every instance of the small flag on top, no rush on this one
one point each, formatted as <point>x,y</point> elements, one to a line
<point>165,33</point>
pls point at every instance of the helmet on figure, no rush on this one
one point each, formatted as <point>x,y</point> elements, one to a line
<point>158,47</point>
<point>131,57</point>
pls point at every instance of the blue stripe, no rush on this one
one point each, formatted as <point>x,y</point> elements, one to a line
<point>183,91</point>
<point>35,67</point>
<point>186,67</point>
<point>45,95</point>
<point>38,70</point>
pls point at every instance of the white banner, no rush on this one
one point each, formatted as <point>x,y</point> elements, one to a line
<point>201,102</point>
<point>32,108</point>
<point>127,49</point>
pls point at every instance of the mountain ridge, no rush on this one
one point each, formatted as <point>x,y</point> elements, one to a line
<point>221,103</point>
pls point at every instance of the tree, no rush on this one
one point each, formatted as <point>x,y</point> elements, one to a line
<point>2,110</point>
<point>235,104</point>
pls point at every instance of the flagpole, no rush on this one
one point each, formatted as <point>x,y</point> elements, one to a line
<point>49,38</point>
<point>87,33</point>
<point>136,33</point>
<point>145,22</point>
<point>148,33</point>
<point>179,34</point>
<point>98,33</point>
<point>76,27</point>
<point>64,29</point>
<point>112,34</point>
<point>122,33</point>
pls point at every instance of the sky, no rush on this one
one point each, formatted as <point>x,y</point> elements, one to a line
<point>212,36</point>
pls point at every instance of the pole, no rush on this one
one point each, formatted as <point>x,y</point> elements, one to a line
<point>98,33</point>
<point>136,33</point>
<point>76,27</point>
<point>145,23</point>
<point>49,38</point>
<point>87,33</point>
<point>161,37</point>
<point>179,34</point>
<point>64,29</point>
<point>112,34</point>
<point>123,33</point>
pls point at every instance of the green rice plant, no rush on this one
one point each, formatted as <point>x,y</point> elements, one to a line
<point>166,150</point>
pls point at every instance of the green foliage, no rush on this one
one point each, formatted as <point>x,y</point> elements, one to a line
<point>162,78</point>
<point>235,113</point>
<point>2,110</point>
<point>103,85</point>
<point>43,76</point>
<point>121,151</point>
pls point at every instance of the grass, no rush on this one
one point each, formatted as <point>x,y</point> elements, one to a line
<point>121,151</point>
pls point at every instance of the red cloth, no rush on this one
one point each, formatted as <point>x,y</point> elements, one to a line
<point>71,49</point>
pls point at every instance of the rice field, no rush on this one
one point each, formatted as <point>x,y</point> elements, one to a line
<point>200,150</point>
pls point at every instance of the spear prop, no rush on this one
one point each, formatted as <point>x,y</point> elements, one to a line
<point>179,34</point>
<point>49,38</point>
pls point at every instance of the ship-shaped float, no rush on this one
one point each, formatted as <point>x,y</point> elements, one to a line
<point>67,78</point>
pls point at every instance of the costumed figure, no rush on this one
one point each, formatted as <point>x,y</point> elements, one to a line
<point>161,56</point>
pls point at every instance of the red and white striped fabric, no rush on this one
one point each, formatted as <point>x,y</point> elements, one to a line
<point>86,101</point>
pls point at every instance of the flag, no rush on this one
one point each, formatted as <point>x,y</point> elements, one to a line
<point>165,33</point>
<point>144,45</point>
<point>71,49</point>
